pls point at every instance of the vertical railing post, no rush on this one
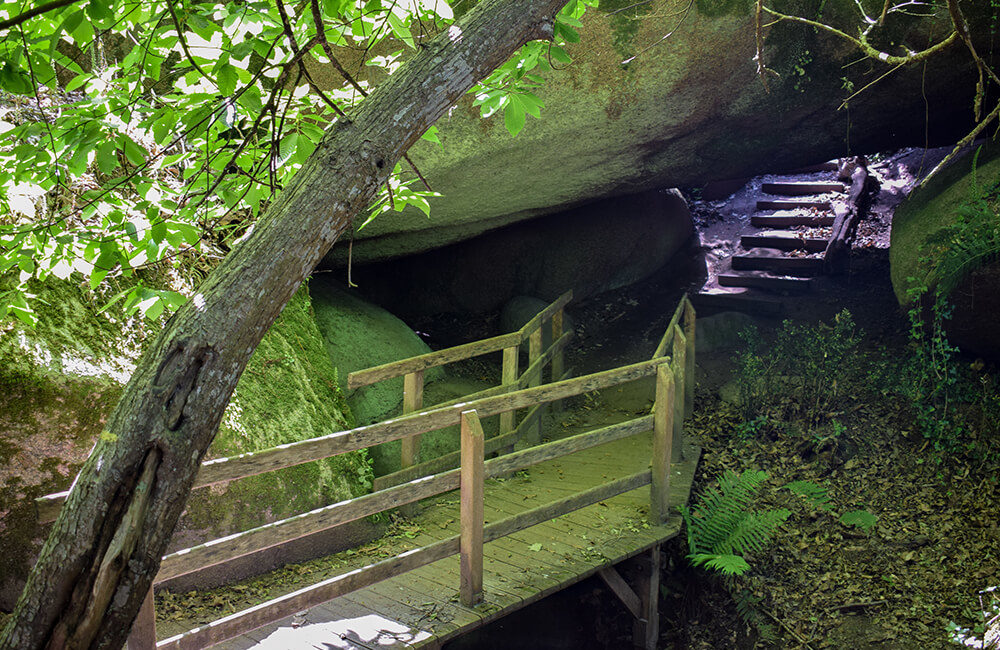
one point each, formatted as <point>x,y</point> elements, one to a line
<point>689,333</point>
<point>663,425</point>
<point>679,366</point>
<point>557,358</point>
<point>535,351</point>
<point>472,510</point>
<point>509,378</point>
<point>413,400</point>
<point>143,633</point>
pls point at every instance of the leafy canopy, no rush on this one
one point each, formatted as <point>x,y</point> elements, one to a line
<point>147,135</point>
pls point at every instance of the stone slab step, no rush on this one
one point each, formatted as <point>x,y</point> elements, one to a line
<point>768,282</point>
<point>784,242</point>
<point>792,204</point>
<point>830,166</point>
<point>797,188</point>
<point>788,220</point>
<point>798,266</point>
<point>744,300</point>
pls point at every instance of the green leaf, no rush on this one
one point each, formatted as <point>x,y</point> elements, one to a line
<point>13,80</point>
<point>227,78</point>
<point>535,547</point>
<point>107,157</point>
<point>860,518</point>
<point>135,154</point>
<point>514,115</point>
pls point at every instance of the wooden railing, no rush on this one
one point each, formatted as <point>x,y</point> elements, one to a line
<point>412,371</point>
<point>674,380</point>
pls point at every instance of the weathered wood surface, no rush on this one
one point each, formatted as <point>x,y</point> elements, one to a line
<point>864,188</point>
<point>431,360</point>
<point>221,470</point>
<point>668,334</point>
<point>663,431</point>
<point>238,545</point>
<point>515,575</point>
<point>471,515</point>
<point>413,401</point>
<point>394,369</point>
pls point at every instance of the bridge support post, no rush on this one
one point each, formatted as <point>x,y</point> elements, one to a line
<point>534,432</point>
<point>680,366</point>
<point>557,359</point>
<point>663,415</point>
<point>472,510</point>
<point>689,334</point>
<point>646,630</point>
<point>413,400</point>
<point>508,378</point>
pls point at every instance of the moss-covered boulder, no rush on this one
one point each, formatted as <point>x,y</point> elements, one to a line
<point>687,109</point>
<point>948,232</point>
<point>59,381</point>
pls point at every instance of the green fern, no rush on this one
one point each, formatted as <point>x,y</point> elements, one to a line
<point>723,527</point>
<point>749,613</point>
<point>860,518</point>
<point>815,494</point>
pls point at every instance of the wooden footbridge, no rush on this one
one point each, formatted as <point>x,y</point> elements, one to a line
<point>522,525</point>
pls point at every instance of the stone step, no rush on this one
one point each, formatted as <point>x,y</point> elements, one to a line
<point>830,166</point>
<point>793,204</point>
<point>744,300</point>
<point>777,283</point>
<point>784,242</point>
<point>801,188</point>
<point>788,220</point>
<point>798,266</point>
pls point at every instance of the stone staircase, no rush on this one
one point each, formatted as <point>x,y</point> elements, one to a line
<point>782,249</point>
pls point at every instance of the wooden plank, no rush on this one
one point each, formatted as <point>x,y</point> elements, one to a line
<point>789,242</point>
<point>769,282</point>
<point>218,551</point>
<point>786,220</point>
<point>661,348</point>
<point>413,400</point>
<point>557,359</point>
<point>679,365</point>
<point>472,509</point>
<point>431,360</point>
<point>532,375</point>
<point>544,315</point>
<point>690,319</point>
<point>801,188</point>
<point>786,265</point>
<point>663,414</point>
<point>616,583</point>
<point>792,204</point>
<point>221,470</point>
<point>278,608</point>
<point>143,633</point>
<point>509,378</point>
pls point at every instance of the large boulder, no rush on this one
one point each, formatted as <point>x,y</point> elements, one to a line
<point>591,249</point>
<point>688,109</point>
<point>926,229</point>
<point>60,380</point>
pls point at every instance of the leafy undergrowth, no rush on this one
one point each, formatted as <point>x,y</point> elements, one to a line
<point>903,583</point>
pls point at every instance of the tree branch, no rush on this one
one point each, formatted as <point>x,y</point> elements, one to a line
<point>37,11</point>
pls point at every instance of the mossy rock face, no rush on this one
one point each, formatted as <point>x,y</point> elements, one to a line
<point>59,381</point>
<point>360,335</point>
<point>687,109</point>
<point>919,222</point>
<point>287,393</point>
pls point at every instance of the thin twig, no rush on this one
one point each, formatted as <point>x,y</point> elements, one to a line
<point>37,11</point>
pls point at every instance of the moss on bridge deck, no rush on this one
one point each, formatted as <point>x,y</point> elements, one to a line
<point>420,608</point>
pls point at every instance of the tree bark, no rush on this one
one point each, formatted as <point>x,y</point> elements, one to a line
<point>864,188</point>
<point>104,550</point>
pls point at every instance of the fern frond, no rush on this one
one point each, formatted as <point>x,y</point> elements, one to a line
<point>726,564</point>
<point>752,532</point>
<point>815,494</point>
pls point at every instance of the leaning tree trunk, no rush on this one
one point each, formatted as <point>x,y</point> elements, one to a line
<point>105,548</point>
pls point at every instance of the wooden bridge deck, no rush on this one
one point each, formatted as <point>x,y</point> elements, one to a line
<point>421,609</point>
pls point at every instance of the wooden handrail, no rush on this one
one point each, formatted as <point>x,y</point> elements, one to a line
<point>221,470</point>
<point>661,349</point>
<point>231,547</point>
<point>402,367</point>
<point>278,608</point>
